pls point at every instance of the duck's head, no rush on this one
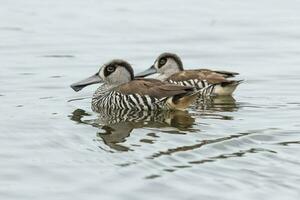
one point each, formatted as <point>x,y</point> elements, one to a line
<point>165,64</point>
<point>114,73</point>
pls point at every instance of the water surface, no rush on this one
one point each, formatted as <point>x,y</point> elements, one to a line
<point>241,148</point>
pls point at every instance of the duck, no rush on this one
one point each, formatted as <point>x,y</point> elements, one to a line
<point>170,69</point>
<point>121,90</point>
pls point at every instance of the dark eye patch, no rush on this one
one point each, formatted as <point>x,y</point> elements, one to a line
<point>109,69</point>
<point>161,62</point>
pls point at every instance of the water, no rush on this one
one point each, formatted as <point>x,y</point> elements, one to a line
<point>241,148</point>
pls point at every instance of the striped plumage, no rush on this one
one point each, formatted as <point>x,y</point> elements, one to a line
<point>213,82</point>
<point>105,98</point>
<point>200,85</point>
<point>121,91</point>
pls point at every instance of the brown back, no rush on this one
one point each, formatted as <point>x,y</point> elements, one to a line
<point>153,88</point>
<point>212,77</point>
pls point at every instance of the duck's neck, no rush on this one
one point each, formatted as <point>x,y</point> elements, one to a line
<point>100,90</point>
<point>104,88</point>
<point>167,73</point>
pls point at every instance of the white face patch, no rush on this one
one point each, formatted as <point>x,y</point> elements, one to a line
<point>101,73</point>
<point>119,76</point>
<point>169,68</point>
<point>156,65</point>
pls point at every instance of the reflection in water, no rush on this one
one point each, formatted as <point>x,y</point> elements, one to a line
<point>215,107</point>
<point>220,156</point>
<point>118,124</point>
<point>220,103</point>
<point>200,144</point>
<point>240,153</point>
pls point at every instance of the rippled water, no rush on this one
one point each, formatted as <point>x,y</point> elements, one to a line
<point>241,148</point>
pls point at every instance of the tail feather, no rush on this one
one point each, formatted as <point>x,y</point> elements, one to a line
<point>231,82</point>
<point>227,74</point>
<point>182,101</point>
<point>226,88</point>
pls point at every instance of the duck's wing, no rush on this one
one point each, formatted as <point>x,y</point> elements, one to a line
<point>207,75</point>
<point>225,74</point>
<point>153,88</point>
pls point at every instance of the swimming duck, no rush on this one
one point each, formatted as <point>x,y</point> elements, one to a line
<point>120,90</point>
<point>170,69</point>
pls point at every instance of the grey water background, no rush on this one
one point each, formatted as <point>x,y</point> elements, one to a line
<point>54,148</point>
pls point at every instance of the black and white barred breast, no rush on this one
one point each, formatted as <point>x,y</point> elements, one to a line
<point>115,100</point>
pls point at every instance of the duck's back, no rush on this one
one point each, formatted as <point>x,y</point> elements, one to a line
<point>213,82</point>
<point>141,94</point>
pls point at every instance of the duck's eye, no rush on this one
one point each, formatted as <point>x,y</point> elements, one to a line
<point>162,61</point>
<point>110,68</point>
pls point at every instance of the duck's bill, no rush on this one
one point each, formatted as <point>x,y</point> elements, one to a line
<point>88,81</point>
<point>147,72</point>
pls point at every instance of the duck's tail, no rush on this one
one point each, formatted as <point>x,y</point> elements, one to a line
<point>226,74</point>
<point>225,88</point>
<point>182,101</point>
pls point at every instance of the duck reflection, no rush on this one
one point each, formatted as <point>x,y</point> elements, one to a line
<point>218,103</point>
<point>118,124</point>
<point>216,107</point>
<point>115,126</point>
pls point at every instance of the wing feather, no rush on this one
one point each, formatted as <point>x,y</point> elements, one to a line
<point>153,88</point>
<point>212,77</point>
